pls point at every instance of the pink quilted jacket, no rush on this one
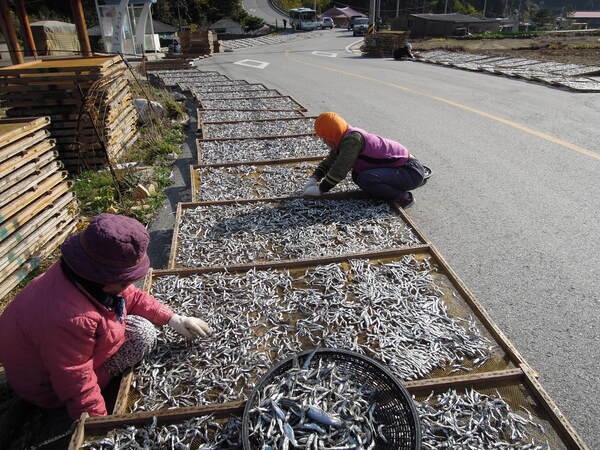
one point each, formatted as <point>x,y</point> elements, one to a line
<point>54,340</point>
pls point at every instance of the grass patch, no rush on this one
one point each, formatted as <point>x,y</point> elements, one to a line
<point>134,185</point>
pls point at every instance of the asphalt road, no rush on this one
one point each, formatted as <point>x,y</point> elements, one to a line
<point>262,9</point>
<point>514,202</point>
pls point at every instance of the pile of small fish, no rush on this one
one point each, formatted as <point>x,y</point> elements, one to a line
<point>263,316</point>
<point>276,103</point>
<point>192,84</point>
<point>226,234</point>
<point>227,88</point>
<point>240,150</point>
<point>198,433</point>
<point>474,420</point>
<point>172,77</point>
<point>323,406</point>
<point>273,127</point>
<point>225,115</point>
<point>257,181</point>
<point>238,94</point>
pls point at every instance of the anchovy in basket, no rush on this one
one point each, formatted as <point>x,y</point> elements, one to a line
<point>319,407</point>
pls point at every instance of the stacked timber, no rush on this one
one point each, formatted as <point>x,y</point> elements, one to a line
<point>199,42</point>
<point>383,43</point>
<point>88,100</point>
<point>37,208</point>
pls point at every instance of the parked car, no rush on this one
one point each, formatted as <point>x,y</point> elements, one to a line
<point>326,22</point>
<point>351,21</point>
<point>361,26</point>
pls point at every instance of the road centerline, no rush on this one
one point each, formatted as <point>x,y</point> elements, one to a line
<point>510,123</point>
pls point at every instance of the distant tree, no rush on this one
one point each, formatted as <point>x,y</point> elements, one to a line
<point>251,23</point>
<point>544,18</point>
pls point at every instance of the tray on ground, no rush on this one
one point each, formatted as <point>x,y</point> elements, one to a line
<point>261,179</point>
<point>238,232</point>
<point>224,115</point>
<point>541,419</point>
<point>404,307</point>
<point>220,151</point>
<point>294,126</point>
<point>518,388</point>
<point>271,103</point>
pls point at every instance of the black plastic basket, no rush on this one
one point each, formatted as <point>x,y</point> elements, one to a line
<point>396,410</point>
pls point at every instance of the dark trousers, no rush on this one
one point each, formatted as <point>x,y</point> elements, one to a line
<point>391,183</point>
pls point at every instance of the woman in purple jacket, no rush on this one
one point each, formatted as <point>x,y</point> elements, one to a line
<point>83,322</point>
<point>382,167</point>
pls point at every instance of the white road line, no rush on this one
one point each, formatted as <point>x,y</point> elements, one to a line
<point>349,48</point>
<point>252,63</point>
<point>328,54</point>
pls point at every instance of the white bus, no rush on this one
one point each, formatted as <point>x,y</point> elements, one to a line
<point>303,19</point>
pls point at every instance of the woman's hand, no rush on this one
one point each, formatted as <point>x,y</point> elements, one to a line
<point>190,327</point>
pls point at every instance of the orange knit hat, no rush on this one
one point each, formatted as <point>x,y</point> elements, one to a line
<point>331,127</point>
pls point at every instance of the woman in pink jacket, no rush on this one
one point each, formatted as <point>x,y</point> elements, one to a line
<point>82,322</point>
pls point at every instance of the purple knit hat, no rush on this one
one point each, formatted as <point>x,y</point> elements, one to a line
<point>112,249</point>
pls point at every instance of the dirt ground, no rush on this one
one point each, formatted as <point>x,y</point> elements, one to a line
<point>582,49</point>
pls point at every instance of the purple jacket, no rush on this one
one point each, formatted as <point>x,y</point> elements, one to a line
<point>378,152</point>
<point>54,340</point>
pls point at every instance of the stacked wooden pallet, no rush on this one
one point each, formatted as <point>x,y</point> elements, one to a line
<point>383,43</point>
<point>88,101</point>
<point>37,209</point>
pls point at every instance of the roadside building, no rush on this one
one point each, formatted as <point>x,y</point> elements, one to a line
<point>585,19</point>
<point>341,16</point>
<point>226,26</point>
<point>442,25</point>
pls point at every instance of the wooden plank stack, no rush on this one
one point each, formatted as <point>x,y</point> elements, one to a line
<point>88,101</point>
<point>37,208</point>
<point>383,43</point>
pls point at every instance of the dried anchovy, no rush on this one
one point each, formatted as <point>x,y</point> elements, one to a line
<point>228,88</point>
<point>474,420</point>
<point>257,181</point>
<point>393,312</point>
<point>275,127</point>
<point>218,84</point>
<point>321,406</point>
<point>291,229</point>
<point>244,150</point>
<point>225,115</point>
<point>172,77</point>
<point>237,94</point>
<point>201,433</point>
<point>276,103</point>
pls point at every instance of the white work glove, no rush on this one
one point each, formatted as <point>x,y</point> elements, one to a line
<point>312,191</point>
<point>312,181</point>
<point>190,327</point>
